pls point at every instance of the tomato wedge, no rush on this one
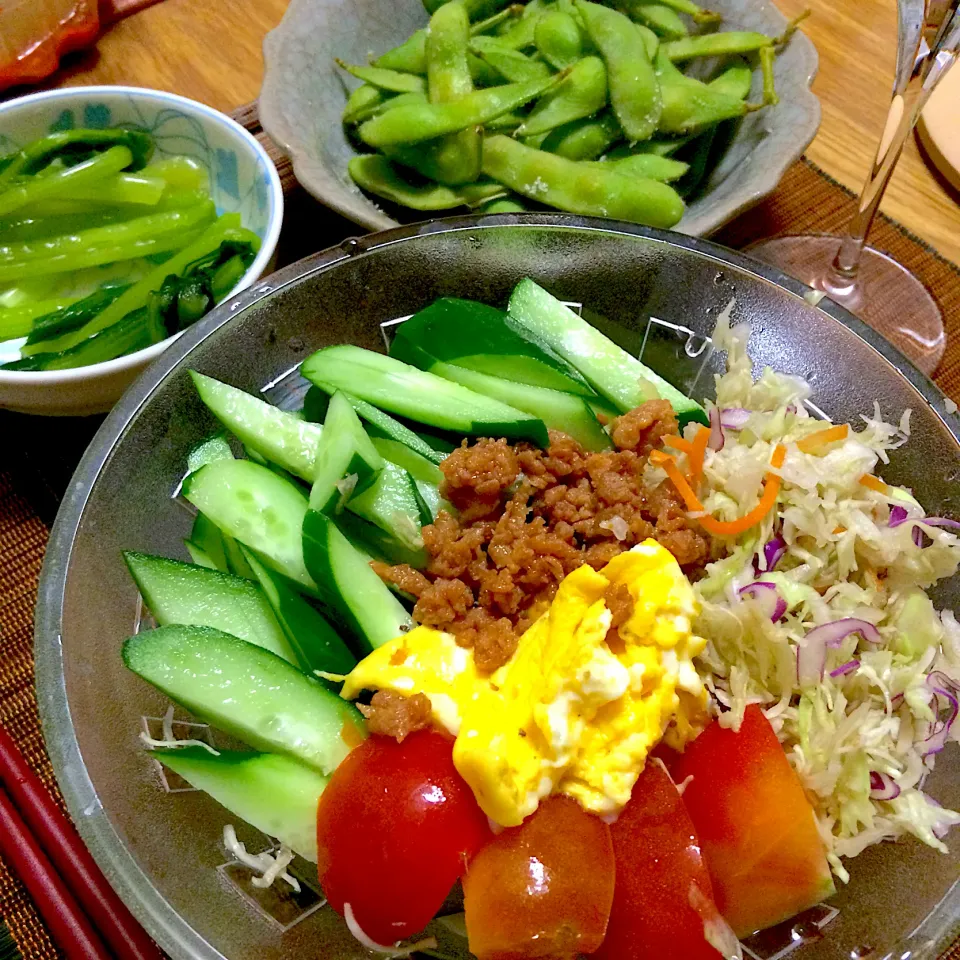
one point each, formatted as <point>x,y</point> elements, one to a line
<point>663,905</point>
<point>542,889</point>
<point>395,828</point>
<point>756,826</point>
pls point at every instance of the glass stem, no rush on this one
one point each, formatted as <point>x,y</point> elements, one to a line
<point>900,121</point>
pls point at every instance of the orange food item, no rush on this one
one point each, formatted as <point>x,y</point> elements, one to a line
<point>663,900</point>
<point>699,448</point>
<point>34,34</point>
<point>874,483</point>
<point>822,437</point>
<point>756,827</point>
<point>543,889</point>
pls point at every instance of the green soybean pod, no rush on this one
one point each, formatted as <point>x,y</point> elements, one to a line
<point>409,57</point>
<point>362,103</point>
<point>735,80</point>
<point>584,139</point>
<point>663,20</point>
<point>716,44</point>
<point>521,35</point>
<point>691,9</point>
<point>581,94</point>
<point>558,39</point>
<point>375,174</point>
<point>634,91</point>
<point>508,204</point>
<point>649,165</point>
<point>591,189</point>
<point>513,65</point>
<point>454,158</point>
<point>392,80</point>
<point>418,122</point>
<point>690,106</point>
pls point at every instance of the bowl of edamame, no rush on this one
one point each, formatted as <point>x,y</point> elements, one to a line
<point>665,114</point>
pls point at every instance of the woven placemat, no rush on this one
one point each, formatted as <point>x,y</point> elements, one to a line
<point>38,455</point>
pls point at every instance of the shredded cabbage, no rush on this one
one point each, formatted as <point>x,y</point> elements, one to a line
<point>842,560</point>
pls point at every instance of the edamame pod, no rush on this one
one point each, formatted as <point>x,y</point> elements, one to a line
<point>716,44</point>
<point>375,174</point>
<point>383,79</point>
<point>661,19</point>
<point>584,188</point>
<point>698,13</point>
<point>649,166</point>
<point>454,158</point>
<point>416,123</point>
<point>409,57</point>
<point>582,94</point>
<point>362,103</point>
<point>735,80</point>
<point>503,205</point>
<point>558,39</point>
<point>521,35</point>
<point>584,139</point>
<point>689,105</point>
<point>634,91</point>
<point>512,65</point>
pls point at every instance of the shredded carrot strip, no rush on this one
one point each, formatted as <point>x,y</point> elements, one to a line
<point>669,464</point>
<point>873,483</point>
<point>822,437</point>
<point>699,445</point>
<point>678,443</point>
<point>725,528</point>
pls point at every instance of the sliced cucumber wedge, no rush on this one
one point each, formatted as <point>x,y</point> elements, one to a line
<point>178,592</point>
<point>380,423</point>
<point>276,794</point>
<point>419,467</point>
<point>256,507</point>
<point>280,437</point>
<point>394,505</point>
<point>613,372</point>
<point>344,453</point>
<point>559,411</point>
<point>375,544</point>
<point>316,643</point>
<point>362,598</point>
<point>248,692</point>
<point>409,392</point>
<point>215,447</point>
<point>482,338</point>
<point>207,541</point>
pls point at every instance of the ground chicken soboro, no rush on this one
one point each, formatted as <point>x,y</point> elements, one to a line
<point>528,517</point>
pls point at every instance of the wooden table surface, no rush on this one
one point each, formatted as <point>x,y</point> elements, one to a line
<point>211,50</point>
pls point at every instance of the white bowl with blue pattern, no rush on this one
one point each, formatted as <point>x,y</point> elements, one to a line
<point>242,179</point>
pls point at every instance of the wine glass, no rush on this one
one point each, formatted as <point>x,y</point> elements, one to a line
<point>866,281</point>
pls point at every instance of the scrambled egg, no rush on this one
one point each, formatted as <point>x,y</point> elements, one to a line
<point>578,707</point>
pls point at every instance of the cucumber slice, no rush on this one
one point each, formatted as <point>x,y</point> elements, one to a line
<point>316,643</point>
<point>613,372</point>
<point>280,437</point>
<point>375,544</point>
<point>363,599</point>
<point>215,447</point>
<point>344,451</point>
<point>205,537</point>
<point>248,692</point>
<point>482,338</point>
<point>392,503</point>
<point>419,467</point>
<point>258,508</point>
<point>558,410</point>
<point>409,392</point>
<point>380,424</point>
<point>179,592</point>
<point>199,556</point>
<point>236,561</point>
<point>275,794</point>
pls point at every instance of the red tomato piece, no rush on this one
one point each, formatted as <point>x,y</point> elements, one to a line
<point>542,889</point>
<point>756,826</point>
<point>395,828</point>
<point>663,901</point>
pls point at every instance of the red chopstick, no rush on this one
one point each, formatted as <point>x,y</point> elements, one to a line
<point>68,924</point>
<point>60,841</point>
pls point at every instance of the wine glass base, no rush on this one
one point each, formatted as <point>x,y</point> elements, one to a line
<point>886,296</point>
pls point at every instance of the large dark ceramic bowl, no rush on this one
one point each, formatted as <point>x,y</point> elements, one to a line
<point>160,849</point>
